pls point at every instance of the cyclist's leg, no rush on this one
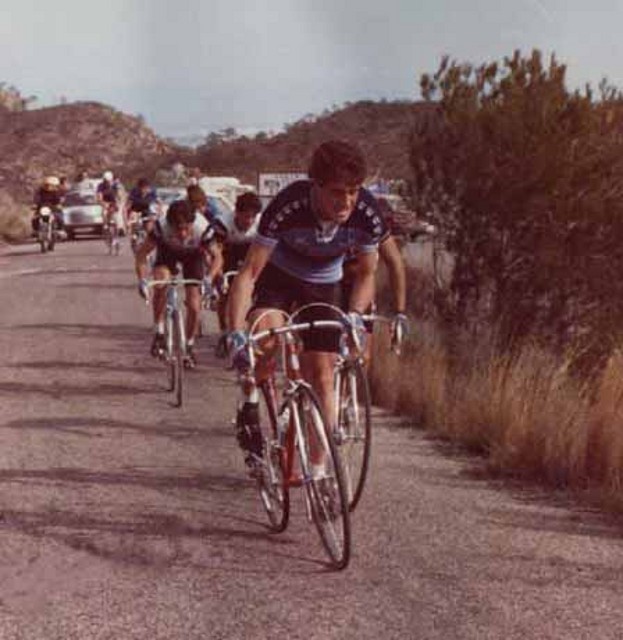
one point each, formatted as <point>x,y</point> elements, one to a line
<point>321,346</point>
<point>192,269</point>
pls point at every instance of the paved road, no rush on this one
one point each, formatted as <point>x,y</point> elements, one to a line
<point>125,518</point>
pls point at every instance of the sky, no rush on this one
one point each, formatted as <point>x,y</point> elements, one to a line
<point>194,66</point>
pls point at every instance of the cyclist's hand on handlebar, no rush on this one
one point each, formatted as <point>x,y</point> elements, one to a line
<point>237,347</point>
<point>143,289</point>
<point>400,330</point>
<point>207,290</point>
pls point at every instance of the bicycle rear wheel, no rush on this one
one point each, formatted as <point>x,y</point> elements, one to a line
<point>325,489</point>
<point>354,434</point>
<point>272,485</point>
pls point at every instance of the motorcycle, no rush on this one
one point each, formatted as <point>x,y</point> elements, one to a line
<point>46,232</point>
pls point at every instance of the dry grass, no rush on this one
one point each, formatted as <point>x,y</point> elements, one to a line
<point>527,414</point>
<point>14,219</point>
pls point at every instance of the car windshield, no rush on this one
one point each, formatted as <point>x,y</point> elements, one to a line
<point>167,196</point>
<point>79,198</point>
<point>218,207</point>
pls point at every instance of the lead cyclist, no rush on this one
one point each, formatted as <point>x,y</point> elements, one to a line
<point>296,259</point>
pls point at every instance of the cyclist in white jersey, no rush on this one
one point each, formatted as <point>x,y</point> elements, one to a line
<point>236,233</point>
<point>181,237</point>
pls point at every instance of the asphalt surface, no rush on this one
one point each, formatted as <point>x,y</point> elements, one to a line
<point>123,517</point>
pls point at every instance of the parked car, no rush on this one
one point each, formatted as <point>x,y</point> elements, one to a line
<point>82,213</point>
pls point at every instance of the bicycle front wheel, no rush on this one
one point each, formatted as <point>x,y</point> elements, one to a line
<point>353,433</point>
<point>178,356</point>
<point>323,477</point>
<point>272,480</point>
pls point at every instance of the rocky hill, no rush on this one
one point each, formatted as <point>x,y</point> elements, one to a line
<point>65,139</point>
<point>382,129</point>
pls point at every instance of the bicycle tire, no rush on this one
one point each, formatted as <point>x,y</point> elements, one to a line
<point>170,354</point>
<point>272,486</point>
<point>354,428</point>
<point>326,494</point>
<point>178,348</point>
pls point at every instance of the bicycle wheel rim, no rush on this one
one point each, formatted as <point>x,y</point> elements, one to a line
<point>170,356</point>
<point>178,346</point>
<point>326,494</point>
<point>354,432</point>
<point>272,487</point>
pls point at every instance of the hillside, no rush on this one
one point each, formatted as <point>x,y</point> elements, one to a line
<point>64,139</point>
<point>382,129</point>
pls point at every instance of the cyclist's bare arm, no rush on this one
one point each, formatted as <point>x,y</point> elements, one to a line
<point>214,260</point>
<point>242,287</point>
<point>392,257</point>
<point>362,294</point>
<point>141,267</point>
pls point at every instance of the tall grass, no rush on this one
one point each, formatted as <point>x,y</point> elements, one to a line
<point>14,219</point>
<point>529,415</point>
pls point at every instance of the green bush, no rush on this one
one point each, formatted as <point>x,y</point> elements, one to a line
<point>525,181</point>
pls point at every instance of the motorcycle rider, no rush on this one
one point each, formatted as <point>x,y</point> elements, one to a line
<point>48,195</point>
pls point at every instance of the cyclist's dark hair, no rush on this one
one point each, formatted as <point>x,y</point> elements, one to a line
<point>196,196</point>
<point>180,212</point>
<point>337,160</point>
<point>142,182</point>
<point>248,201</point>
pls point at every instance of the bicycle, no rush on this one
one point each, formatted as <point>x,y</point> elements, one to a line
<point>111,232</point>
<point>297,433</point>
<point>175,353</point>
<point>353,408</point>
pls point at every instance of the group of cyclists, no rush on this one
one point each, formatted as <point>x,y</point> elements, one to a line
<point>318,241</point>
<point>118,209</point>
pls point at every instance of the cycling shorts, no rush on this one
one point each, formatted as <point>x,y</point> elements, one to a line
<point>193,265</point>
<point>276,289</point>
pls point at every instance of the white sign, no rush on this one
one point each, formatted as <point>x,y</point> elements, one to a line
<point>270,184</point>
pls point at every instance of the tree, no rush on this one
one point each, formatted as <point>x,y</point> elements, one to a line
<point>526,181</point>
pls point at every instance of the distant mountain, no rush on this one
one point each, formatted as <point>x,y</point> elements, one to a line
<point>382,129</point>
<point>64,139</point>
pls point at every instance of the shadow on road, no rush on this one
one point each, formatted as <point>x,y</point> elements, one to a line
<point>132,535</point>
<point>65,365</point>
<point>89,426</point>
<point>62,389</point>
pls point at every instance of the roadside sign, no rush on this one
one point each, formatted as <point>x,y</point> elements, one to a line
<point>270,184</point>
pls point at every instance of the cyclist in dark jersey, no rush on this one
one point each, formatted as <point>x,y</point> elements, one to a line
<point>139,206</point>
<point>296,259</point>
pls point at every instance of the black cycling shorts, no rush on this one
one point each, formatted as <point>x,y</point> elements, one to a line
<point>193,265</point>
<point>276,289</point>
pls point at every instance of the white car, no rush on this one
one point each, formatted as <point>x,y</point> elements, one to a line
<point>82,213</point>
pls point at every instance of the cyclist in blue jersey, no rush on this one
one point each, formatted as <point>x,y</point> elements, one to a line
<point>181,237</point>
<point>296,258</point>
<point>139,205</point>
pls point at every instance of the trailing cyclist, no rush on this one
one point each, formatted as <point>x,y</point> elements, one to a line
<point>109,196</point>
<point>296,259</point>
<point>181,237</point>
<point>238,232</point>
<point>139,207</point>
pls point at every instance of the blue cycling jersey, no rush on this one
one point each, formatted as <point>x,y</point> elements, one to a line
<point>140,200</point>
<point>306,247</point>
